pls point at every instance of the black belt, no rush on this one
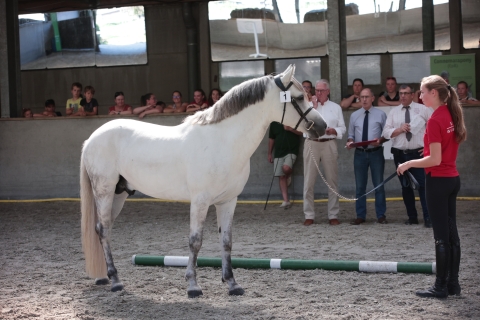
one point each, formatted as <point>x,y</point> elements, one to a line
<point>323,140</point>
<point>368,150</point>
<point>396,151</point>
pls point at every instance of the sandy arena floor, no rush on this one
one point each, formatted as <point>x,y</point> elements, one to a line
<point>42,268</point>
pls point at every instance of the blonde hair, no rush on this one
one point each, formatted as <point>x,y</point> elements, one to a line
<point>449,96</point>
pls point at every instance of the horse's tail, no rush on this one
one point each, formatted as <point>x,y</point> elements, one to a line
<point>92,248</point>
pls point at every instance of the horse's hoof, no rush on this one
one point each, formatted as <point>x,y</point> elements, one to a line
<point>236,292</point>
<point>101,281</point>
<point>194,293</point>
<point>117,287</point>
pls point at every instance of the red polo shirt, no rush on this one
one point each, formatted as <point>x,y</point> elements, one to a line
<point>440,129</point>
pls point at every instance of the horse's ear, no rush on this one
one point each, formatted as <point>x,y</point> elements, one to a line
<point>288,75</point>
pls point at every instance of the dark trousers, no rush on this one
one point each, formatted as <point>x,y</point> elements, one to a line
<point>441,195</point>
<point>376,162</point>
<point>407,193</point>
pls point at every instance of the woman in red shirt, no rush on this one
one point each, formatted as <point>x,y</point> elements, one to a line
<point>445,131</point>
<point>120,107</point>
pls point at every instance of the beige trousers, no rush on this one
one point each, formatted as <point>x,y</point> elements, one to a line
<point>326,155</point>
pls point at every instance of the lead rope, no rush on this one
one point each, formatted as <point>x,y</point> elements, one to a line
<point>334,191</point>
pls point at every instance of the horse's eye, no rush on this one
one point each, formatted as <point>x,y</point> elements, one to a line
<point>300,98</point>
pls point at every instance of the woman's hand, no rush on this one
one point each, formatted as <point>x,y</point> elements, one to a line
<point>403,167</point>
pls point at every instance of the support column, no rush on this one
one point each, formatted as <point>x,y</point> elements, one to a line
<point>428,24</point>
<point>337,49</point>
<point>386,66</point>
<point>10,81</point>
<point>456,28</point>
<point>205,57</point>
<point>269,66</point>
<point>192,49</point>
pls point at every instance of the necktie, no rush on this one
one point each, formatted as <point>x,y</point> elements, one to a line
<point>407,120</point>
<point>365,128</point>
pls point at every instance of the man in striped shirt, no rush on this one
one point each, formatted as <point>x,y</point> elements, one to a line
<point>405,126</point>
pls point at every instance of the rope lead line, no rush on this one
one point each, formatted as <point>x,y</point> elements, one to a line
<point>335,191</point>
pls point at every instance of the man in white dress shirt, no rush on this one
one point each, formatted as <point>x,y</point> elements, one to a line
<point>405,126</point>
<point>325,151</point>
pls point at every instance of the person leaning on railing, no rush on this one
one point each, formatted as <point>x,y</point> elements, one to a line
<point>120,107</point>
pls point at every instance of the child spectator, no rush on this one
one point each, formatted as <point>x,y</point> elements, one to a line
<point>120,107</point>
<point>27,113</point>
<point>50,109</point>
<point>89,105</point>
<point>149,105</point>
<point>73,104</point>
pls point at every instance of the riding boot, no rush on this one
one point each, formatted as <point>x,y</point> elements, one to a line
<point>452,284</point>
<point>439,289</point>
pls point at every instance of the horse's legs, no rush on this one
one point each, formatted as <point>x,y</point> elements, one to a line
<point>198,213</point>
<point>225,213</point>
<point>108,208</point>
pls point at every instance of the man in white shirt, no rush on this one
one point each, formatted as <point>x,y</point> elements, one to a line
<point>325,151</point>
<point>405,126</point>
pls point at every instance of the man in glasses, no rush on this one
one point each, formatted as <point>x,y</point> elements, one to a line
<point>353,100</point>
<point>389,97</point>
<point>405,126</point>
<point>366,124</point>
<point>324,150</point>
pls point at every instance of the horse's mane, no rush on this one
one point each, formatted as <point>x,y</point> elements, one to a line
<point>234,101</point>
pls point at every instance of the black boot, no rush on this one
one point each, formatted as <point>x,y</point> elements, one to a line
<point>439,289</point>
<point>452,284</point>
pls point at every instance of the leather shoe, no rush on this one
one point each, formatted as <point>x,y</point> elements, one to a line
<point>308,222</point>
<point>334,222</point>
<point>357,221</point>
<point>428,223</point>
<point>382,220</point>
<point>409,222</point>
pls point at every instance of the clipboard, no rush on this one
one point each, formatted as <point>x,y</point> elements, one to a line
<point>362,143</point>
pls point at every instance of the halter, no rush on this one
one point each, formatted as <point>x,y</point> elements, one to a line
<point>308,123</point>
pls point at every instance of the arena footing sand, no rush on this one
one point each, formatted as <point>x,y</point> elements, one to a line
<point>42,267</point>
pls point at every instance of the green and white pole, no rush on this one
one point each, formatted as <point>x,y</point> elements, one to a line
<point>337,265</point>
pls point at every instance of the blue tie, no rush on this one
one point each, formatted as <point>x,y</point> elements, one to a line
<point>365,128</point>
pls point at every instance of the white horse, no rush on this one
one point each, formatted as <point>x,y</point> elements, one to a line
<point>205,160</point>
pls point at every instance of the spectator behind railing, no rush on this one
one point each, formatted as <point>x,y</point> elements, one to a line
<point>389,97</point>
<point>214,96</point>
<point>199,101</point>
<point>27,113</point>
<point>353,100</point>
<point>149,105</point>
<point>73,104</point>
<point>120,107</point>
<point>177,106</point>
<point>307,86</point>
<point>89,105</point>
<point>463,96</point>
<point>50,109</point>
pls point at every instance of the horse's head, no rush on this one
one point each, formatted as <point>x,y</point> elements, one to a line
<point>298,113</point>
